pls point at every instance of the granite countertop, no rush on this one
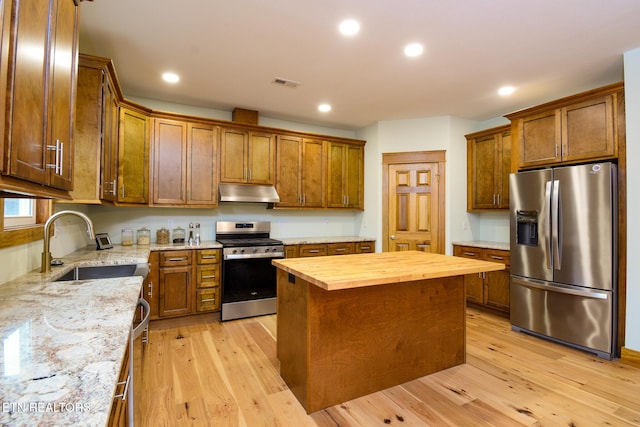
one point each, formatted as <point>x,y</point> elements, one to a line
<point>64,342</point>
<point>322,240</point>
<point>503,246</point>
<point>381,268</point>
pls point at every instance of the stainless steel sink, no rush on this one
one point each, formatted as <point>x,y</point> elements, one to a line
<point>104,272</point>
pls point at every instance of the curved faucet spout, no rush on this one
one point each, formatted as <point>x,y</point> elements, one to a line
<point>46,254</point>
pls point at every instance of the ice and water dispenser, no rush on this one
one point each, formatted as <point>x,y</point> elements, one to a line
<point>527,228</point>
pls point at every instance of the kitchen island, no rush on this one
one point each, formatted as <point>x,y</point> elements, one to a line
<point>351,325</point>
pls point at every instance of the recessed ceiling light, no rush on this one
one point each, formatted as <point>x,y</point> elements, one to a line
<point>349,27</point>
<point>325,108</point>
<point>170,77</point>
<point>506,90</point>
<point>413,49</point>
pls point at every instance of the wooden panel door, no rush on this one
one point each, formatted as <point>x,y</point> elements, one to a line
<point>313,175</point>
<point>27,138</point>
<point>261,156</point>
<point>202,171</point>
<point>133,157</point>
<point>354,175</point>
<point>64,71</point>
<point>169,162</point>
<point>497,290</point>
<point>587,130</point>
<point>540,139</point>
<point>413,207</point>
<point>288,173</point>
<point>233,155</point>
<point>175,291</point>
<point>335,175</point>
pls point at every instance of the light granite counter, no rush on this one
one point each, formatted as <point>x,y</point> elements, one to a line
<point>503,246</point>
<point>63,342</point>
<point>323,240</point>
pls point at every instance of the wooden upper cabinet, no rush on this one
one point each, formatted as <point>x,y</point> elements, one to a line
<point>345,175</point>
<point>169,162</point>
<point>202,171</point>
<point>300,178</point>
<point>184,163</point>
<point>579,128</point>
<point>42,100</point>
<point>109,147</point>
<point>488,168</point>
<point>5,27</point>
<point>247,157</point>
<point>133,157</point>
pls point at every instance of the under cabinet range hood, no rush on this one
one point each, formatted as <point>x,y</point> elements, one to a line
<point>248,193</point>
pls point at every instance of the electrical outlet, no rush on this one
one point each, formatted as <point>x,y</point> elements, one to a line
<point>170,224</point>
<point>465,225</point>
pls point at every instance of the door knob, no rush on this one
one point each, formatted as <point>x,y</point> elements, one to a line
<point>393,237</point>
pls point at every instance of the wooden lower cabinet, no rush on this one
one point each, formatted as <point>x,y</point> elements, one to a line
<point>183,282</point>
<point>325,249</point>
<point>487,290</point>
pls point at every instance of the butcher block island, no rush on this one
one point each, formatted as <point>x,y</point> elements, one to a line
<point>351,325</point>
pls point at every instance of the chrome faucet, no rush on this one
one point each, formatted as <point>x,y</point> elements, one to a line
<point>46,254</point>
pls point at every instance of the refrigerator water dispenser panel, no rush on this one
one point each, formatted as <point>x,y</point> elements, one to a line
<point>527,228</point>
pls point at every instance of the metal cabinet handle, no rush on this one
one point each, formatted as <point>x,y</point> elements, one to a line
<point>209,300</point>
<point>123,396</point>
<point>209,257</point>
<point>341,249</point>
<point>313,251</point>
<point>499,258</point>
<point>470,253</point>
<point>177,259</point>
<point>209,277</point>
<point>365,248</point>
<point>150,293</point>
<point>61,156</point>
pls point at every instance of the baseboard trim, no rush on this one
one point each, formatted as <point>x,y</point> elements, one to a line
<point>630,357</point>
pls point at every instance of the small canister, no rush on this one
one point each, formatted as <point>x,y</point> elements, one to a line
<point>162,236</point>
<point>178,235</point>
<point>127,237</point>
<point>143,236</point>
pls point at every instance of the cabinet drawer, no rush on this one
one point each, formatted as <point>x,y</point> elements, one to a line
<point>312,250</point>
<point>208,299</point>
<point>207,276</point>
<point>498,256</point>
<point>208,256</point>
<point>365,247</point>
<point>175,258</point>
<point>468,252</point>
<point>340,248</point>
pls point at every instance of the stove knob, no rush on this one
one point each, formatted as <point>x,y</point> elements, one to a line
<point>241,251</point>
<point>235,251</point>
<point>267,249</point>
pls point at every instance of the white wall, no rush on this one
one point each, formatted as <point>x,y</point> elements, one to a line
<point>632,99</point>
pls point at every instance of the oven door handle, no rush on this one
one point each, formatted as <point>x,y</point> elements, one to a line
<point>252,256</point>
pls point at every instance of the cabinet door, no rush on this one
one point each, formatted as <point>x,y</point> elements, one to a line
<point>133,157</point>
<point>5,26</point>
<point>109,160</point>
<point>496,293</point>
<point>202,172</point>
<point>291,251</point>
<point>233,155</point>
<point>335,175</point>
<point>588,130</point>
<point>353,176</point>
<point>64,71</point>
<point>27,133</point>
<point>504,144</point>
<point>540,139</point>
<point>169,162</point>
<point>365,247</point>
<point>482,165</point>
<point>261,158</point>
<point>288,175</point>
<point>474,288</point>
<point>175,291</point>
<point>150,289</point>
<point>313,174</point>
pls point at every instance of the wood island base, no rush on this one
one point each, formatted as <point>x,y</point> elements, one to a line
<point>338,345</point>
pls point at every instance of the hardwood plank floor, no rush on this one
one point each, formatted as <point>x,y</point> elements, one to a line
<point>226,374</point>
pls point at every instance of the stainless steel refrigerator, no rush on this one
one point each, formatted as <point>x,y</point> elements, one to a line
<point>564,255</point>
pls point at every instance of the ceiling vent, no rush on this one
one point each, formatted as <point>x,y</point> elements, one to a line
<point>285,82</point>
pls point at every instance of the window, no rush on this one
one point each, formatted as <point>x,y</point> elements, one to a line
<point>19,212</point>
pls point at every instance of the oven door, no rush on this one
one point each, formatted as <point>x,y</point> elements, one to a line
<point>248,279</point>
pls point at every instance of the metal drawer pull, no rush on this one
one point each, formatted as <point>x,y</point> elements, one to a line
<point>123,396</point>
<point>365,248</point>
<point>209,277</point>
<point>177,259</point>
<point>470,253</point>
<point>496,257</point>
<point>313,251</point>
<point>209,256</point>
<point>341,249</point>
<point>208,300</point>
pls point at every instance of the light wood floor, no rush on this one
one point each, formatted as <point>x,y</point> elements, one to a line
<point>226,374</point>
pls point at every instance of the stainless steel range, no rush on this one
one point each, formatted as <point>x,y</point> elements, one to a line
<point>248,278</point>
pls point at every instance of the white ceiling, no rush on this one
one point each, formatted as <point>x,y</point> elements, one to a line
<point>228,53</point>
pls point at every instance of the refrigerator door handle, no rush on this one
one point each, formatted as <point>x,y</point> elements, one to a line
<point>545,286</point>
<point>547,231</point>
<point>555,227</point>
